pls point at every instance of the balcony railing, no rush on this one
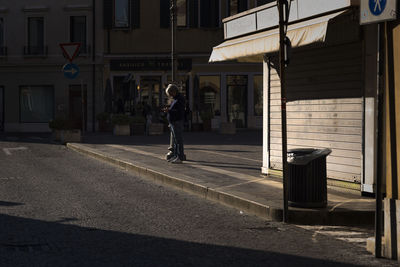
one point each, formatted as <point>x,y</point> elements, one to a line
<point>35,50</point>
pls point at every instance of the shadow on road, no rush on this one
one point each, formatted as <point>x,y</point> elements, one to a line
<point>10,204</point>
<point>56,244</point>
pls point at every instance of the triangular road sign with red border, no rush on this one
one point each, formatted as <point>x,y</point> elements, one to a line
<point>70,50</point>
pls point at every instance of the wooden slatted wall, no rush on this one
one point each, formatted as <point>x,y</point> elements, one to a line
<point>325,109</point>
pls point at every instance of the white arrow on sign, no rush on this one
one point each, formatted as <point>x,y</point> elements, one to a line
<point>7,151</point>
<point>72,71</point>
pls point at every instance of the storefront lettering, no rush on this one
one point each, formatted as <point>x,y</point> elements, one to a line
<point>148,64</point>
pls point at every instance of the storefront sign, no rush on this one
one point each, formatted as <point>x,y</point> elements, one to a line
<point>152,64</point>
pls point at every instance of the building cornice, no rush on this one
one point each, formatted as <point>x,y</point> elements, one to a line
<point>78,8</point>
<point>35,9</point>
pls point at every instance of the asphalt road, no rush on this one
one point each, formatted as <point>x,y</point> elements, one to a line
<point>59,208</point>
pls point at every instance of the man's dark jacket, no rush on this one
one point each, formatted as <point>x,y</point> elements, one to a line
<point>176,111</point>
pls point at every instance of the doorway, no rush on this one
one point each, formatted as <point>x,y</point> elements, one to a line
<point>237,100</point>
<point>1,109</point>
<point>76,107</point>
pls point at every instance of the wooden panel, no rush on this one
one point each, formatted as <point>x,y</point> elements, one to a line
<point>326,111</point>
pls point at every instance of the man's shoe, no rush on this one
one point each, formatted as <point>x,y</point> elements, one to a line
<point>176,160</point>
<point>183,158</point>
<point>169,155</point>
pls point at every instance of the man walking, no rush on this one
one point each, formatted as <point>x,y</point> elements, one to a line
<point>176,117</point>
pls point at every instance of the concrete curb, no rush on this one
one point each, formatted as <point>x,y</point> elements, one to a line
<point>299,216</point>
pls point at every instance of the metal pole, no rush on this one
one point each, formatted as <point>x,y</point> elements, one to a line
<point>281,7</point>
<point>174,61</point>
<point>94,66</point>
<point>83,109</point>
<point>378,184</point>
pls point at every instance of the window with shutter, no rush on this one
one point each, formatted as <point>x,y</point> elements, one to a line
<point>237,6</point>
<point>121,13</point>
<point>108,13</point>
<point>135,14</point>
<point>263,2</point>
<point>209,13</point>
<point>193,13</point>
<point>164,13</point>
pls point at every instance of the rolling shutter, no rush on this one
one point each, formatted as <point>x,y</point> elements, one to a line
<point>324,109</point>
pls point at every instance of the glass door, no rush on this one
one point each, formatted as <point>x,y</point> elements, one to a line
<point>151,95</point>
<point>237,100</point>
<point>1,109</point>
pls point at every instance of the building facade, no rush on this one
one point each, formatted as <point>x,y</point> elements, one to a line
<point>137,60</point>
<point>331,93</point>
<point>33,89</point>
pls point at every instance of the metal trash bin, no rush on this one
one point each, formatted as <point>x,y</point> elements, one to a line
<point>307,186</point>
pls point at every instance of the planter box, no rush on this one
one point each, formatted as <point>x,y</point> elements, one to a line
<point>67,136</point>
<point>122,129</point>
<point>227,128</point>
<point>156,129</point>
<point>71,136</point>
<point>138,128</point>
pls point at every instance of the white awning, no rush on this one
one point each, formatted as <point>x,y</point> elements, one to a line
<point>252,48</point>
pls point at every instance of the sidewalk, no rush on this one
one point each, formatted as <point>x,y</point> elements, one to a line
<point>226,169</point>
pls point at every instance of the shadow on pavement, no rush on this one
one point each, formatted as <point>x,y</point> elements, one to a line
<point>55,244</point>
<point>10,204</point>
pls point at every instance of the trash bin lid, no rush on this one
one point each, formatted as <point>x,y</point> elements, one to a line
<point>303,156</point>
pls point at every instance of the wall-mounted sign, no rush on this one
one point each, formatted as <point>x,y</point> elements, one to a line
<point>374,11</point>
<point>70,70</point>
<point>152,64</point>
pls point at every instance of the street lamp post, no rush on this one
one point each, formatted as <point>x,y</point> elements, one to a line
<point>174,60</point>
<point>282,8</point>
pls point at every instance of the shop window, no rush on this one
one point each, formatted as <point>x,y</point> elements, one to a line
<point>210,94</point>
<point>35,44</point>
<point>36,104</point>
<point>182,82</point>
<point>237,99</point>
<point>78,32</point>
<point>258,95</point>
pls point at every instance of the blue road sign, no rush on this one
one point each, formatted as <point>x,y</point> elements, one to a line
<point>70,70</point>
<point>377,6</point>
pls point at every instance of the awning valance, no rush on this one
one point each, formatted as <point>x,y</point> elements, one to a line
<point>252,48</point>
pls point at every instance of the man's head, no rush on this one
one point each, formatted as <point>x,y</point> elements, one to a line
<point>172,90</point>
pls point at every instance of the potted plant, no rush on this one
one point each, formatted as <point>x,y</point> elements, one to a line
<point>206,117</point>
<point>138,125</point>
<point>104,120</point>
<point>121,123</point>
<point>64,131</point>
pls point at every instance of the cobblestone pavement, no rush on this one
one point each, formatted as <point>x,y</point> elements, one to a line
<point>58,208</point>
